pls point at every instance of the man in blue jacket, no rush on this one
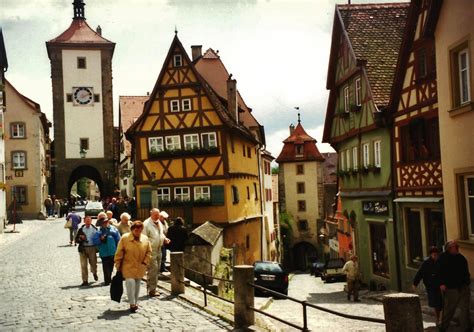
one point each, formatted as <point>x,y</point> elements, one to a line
<point>107,239</point>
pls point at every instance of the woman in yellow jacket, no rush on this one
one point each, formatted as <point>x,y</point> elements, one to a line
<point>132,258</point>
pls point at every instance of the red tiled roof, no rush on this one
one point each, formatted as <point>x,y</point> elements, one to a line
<point>212,69</point>
<point>79,32</point>
<point>130,108</point>
<point>376,32</point>
<point>299,137</point>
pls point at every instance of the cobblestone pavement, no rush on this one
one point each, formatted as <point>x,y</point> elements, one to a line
<point>331,296</point>
<point>39,289</point>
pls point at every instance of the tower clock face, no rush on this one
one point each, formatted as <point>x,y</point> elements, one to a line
<point>83,95</point>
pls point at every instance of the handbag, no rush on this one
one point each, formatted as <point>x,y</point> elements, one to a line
<point>68,224</point>
<point>116,287</point>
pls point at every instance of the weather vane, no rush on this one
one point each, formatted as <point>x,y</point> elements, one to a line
<point>175,30</point>
<point>299,114</point>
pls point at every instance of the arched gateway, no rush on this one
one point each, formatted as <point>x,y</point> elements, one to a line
<point>81,74</point>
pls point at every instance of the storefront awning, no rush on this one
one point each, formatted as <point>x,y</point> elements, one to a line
<point>418,200</point>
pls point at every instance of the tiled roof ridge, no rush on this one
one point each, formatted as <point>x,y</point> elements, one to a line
<point>210,54</point>
<point>388,5</point>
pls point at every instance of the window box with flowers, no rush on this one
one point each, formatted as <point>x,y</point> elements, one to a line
<point>184,152</point>
<point>354,171</point>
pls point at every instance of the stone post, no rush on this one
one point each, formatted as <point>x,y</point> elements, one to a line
<point>402,312</point>
<point>243,296</point>
<point>177,273</point>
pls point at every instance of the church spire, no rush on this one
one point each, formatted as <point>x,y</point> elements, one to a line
<point>79,9</point>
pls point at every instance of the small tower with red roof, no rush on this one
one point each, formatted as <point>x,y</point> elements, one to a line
<point>301,193</point>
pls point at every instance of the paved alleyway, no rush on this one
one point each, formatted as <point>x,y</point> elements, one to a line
<point>331,296</point>
<point>39,288</point>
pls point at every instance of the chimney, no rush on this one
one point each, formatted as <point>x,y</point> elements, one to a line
<point>196,51</point>
<point>98,30</point>
<point>232,98</point>
<point>292,129</point>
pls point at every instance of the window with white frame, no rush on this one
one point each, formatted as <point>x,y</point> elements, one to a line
<point>174,105</point>
<point>348,159</point>
<point>358,91</point>
<point>469,193</point>
<point>366,154</point>
<point>202,193</point>
<point>164,194</point>
<point>155,144</point>
<point>355,158</point>
<point>191,141</point>
<point>463,68</point>
<point>343,164</point>
<point>173,143</point>
<point>177,60</point>
<point>209,140</point>
<point>377,161</point>
<point>346,99</point>
<point>17,130</point>
<point>186,105</point>
<point>19,159</point>
<point>182,194</point>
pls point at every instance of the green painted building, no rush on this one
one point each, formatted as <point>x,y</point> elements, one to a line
<point>366,40</point>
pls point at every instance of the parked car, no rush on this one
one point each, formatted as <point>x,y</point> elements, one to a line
<point>93,208</point>
<point>317,268</point>
<point>272,276</point>
<point>333,270</point>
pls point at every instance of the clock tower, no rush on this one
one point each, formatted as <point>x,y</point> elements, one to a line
<point>81,74</point>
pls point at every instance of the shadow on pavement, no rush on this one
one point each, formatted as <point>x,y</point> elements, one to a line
<point>335,297</point>
<point>113,315</point>
<point>82,287</point>
<point>65,246</point>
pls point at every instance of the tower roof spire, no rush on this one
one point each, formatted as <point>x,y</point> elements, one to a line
<point>79,9</point>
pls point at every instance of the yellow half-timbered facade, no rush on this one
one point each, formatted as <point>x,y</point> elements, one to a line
<point>194,155</point>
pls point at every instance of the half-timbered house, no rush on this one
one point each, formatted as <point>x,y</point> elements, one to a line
<point>416,150</point>
<point>196,150</point>
<point>365,43</point>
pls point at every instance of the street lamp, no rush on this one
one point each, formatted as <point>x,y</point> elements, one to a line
<point>82,153</point>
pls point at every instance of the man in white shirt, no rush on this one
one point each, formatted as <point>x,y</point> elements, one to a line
<point>155,232</point>
<point>351,268</point>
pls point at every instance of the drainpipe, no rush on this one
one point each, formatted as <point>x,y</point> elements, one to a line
<point>260,184</point>
<point>394,209</point>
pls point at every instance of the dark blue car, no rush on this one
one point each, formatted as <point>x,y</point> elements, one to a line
<point>272,276</point>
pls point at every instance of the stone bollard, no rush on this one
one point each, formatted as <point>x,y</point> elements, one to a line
<point>177,273</point>
<point>243,296</point>
<point>402,312</point>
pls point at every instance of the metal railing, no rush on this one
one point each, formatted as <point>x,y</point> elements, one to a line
<point>306,304</point>
<point>203,287</point>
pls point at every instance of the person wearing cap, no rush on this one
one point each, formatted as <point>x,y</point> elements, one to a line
<point>163,217</point>
<point>100,219</point>
<point>454,285</point>
<point>429,273</point>
<point>351,269</point>
<point>132,258</point>
<point>154,230</point>
<point>107,239</point>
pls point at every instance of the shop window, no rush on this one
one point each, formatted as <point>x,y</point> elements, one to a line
<point>413,237</point>
<point>378,243</point>
<point>434,229</point>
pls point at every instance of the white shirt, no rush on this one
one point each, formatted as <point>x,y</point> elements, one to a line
<point>351,269</point>
<point>155,233</point>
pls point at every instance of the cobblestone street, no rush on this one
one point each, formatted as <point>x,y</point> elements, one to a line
<point>39,288</point>
<point>331,296</point>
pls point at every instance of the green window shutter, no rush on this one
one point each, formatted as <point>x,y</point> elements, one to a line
<point>145,197</point>
<point>217,195</point>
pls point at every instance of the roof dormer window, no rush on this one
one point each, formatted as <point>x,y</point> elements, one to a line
<point>299,150</point>
<point>177,60</point>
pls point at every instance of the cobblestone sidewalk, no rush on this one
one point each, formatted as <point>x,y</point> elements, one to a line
<point>39,289</point>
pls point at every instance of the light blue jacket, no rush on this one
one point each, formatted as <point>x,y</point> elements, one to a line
<point>107,247</point>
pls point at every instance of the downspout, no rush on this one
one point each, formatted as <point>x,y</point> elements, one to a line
<point>394,209</point>
<point>260,183</point>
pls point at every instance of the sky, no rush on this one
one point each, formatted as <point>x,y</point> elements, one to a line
<point>277,51</point>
